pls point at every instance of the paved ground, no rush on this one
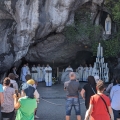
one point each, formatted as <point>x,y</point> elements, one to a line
<point>55,94</point>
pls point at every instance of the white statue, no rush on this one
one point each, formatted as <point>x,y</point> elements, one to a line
<point>108,25</point>
<point>80,72</point>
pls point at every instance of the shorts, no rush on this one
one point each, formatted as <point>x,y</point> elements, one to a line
<point>72,102</point>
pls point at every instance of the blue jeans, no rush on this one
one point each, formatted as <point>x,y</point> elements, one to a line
<point>72,102</point>
<point>116,114</point>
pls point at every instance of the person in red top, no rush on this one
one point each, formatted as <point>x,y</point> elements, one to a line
<point>99,108</point>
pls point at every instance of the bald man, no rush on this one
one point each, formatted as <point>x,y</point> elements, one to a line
<point>72,88</point>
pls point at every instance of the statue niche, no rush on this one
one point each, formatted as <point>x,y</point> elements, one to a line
<point>108,25</point>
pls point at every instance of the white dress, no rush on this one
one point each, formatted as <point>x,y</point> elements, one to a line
<point>48,76</point>
<point>90,69</point>
<point>23,73</point>
<point>28,70</point>
<point>68,70</point>
<point>80,72</point>
<point>34,73</point>
<point>40,73</point>
<point>85,73</point>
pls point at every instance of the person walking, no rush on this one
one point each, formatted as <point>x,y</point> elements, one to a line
<point>25,105</point>
<point>8,104</point>
<point>88,90</point>
<point>115,99</point>
<point>99,108</point>
<point>72,88</point>
<point>1,98</point>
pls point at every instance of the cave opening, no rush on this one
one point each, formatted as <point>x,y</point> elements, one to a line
<point>82,57</point>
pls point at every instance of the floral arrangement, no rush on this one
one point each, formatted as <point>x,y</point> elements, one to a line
<point>53,80</point>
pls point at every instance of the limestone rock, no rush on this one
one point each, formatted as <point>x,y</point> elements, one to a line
<point>52,49</point>
<point>23,22</point>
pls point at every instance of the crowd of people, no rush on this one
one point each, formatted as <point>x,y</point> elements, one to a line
<point>19,103</point>
<point>38,73</point>
<point>85,71</point>
<point>99,106</point>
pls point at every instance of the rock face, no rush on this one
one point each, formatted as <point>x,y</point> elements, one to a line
<point>34,27</point>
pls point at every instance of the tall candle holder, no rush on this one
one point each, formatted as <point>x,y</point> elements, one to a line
<point>100,66</point>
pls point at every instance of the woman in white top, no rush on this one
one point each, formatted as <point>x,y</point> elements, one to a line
<point>8,104</point>
<point>12,81</point>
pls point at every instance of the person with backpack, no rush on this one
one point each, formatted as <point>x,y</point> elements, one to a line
<point>99,108</point>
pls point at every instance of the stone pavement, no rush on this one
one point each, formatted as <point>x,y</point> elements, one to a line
<point>55,94</point>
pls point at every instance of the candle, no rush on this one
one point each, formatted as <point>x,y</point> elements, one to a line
<point>97,52</point>
<point>57,72</point>
<point>106,65</point>
<point>103,60</point>
<point>101,52</point>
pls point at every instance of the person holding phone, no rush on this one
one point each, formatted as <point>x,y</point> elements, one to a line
<point>25,105</point>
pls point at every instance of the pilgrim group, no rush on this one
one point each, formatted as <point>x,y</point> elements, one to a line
<point>41,73</point>
<point>38,73</point>
<point>83,72</point>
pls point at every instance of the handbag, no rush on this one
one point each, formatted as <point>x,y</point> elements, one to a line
<point>105,104</point>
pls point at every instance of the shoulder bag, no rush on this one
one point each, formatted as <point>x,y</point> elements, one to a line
<point>105,104</point>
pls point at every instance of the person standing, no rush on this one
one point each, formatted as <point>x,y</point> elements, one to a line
<point>34,73</point>
<point>88,90</point>
<point>28,69</point>
<point>80,72</point>
<point>48,75</point>
<point>72,88</point>
<point>14,71</point>
<point>1,98</point>
<point>40,73</point>
<point>13,82</point>
<point>43,67</point>
<point>99,108</point>
<point>115,99</point>
<point>23,73</point>
<point>90,70</point>
<point>8,104</point>
<point>25,105</point>
<point>69,69</point>
<point>85,73</point>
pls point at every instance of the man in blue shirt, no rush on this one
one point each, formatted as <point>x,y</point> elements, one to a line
<point>1,98</point>
<point>115,99</point>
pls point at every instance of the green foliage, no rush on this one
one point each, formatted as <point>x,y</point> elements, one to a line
<point>82,31</point>
<point>114,7</point>
<point>111,48</point>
